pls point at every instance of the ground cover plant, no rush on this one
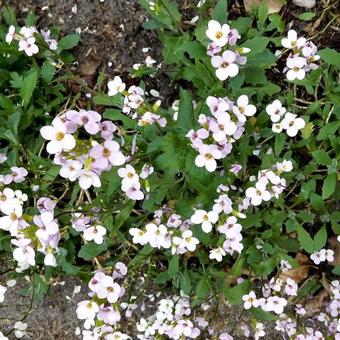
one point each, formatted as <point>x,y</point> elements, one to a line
<point>172,207</point>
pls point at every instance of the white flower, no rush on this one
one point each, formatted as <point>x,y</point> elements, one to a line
<point>292,41</point>
<point>277,127</point>
<point>88,178</point>
<point>28,45</point>
<point>50,260</point>
<point>292,124</point>
<point>243,108</point>
<point>3,290</point>
<point>258,194</point>
<point>24,254</point>
<point>275,110</point>
<point>95,234</point>
<point>12,220</point>
<point>296,65</point>
<point>87,310</point>
<point>250,300</point>
<point>116,85</point>
<point>71,169</point>
<point>139,236</point>
<point>207,157</point>
<point>149,61</point>
<point>108,289</point>
<point>10,35</point>
<point>19,329</point>
<point>275,304</point>
<point>217,254</point>
<point>2,337</point>
<point>225,65</point>
<point>188,241</point>
<point>129,176</point>
<point>217,33</point>
<point>204,218</point>
<point>59,139</point>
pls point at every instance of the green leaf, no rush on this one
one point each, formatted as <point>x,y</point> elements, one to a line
<point>68,42</point>
<point>317,202</point>
<point>330,56</point>
<point>305,239</point>
<point>186,112</point>
<point>320,239</point>
<point>260,314</point>
<point>306,16</point>
<point>117,115</point>
<point>28,85</point>
<point>234,294</point>
<point>123,215</point>
<point>321,157</point>
<point>257,45</point>
<point>173,266</point>
<point>279,143</point>
<point>263,13</point>
<point>328,186</point>
<point>202,288</point>
<point>185,282</point>
<point>328,130</point>
<point>220,12</point>
<point>90,250</point>
<point>47,71</point>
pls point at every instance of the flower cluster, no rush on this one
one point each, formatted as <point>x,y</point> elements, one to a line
<point>214,139</point>
<point>290,122</point>
<point>269,184</point>
<point>322,255</point>
<point>101,312</point>
<point>167,231</point>
<point>222,36</point>
<point>42,235</point>
<point>17,175</point>
<point>172,319</point>
<point>302,57</point>
<point>135,105</point>
<point>26,37</point>
<point>82,159</point>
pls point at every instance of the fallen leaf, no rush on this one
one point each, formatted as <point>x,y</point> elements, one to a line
<point>274,6</point>
<point>297,274</point>
<point>316,303</point>
<point>302,259</point>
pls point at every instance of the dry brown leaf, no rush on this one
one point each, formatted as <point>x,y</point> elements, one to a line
<point>316,303</point>
<point>274,6</point>
<point>297,274</point>
<point>302,259</point>
<point>335,245</point>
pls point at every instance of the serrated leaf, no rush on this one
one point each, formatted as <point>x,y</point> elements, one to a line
<point>330,56</point>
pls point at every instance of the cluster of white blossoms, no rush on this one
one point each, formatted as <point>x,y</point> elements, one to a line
<point>167,231</point>
<point>41,235</point>
<point>173,319</point>
<point>214,139</point>
<point>322,255</point>
<point>26,37</point>
<point>134,103</point>
<point>101,313</point>
<point>83,159</point>
<point>90,227</point>
<point>283,120</point>
<point>268,184</point>
<point>131,180</point>
<point>302,57</point>
<point>226,61</point>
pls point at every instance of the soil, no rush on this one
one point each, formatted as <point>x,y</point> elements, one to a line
<point>112,32</point>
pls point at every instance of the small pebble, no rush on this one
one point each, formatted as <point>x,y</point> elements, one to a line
<point>304,3</point>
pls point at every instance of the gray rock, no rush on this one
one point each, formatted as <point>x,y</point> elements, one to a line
<point>305,3</point>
